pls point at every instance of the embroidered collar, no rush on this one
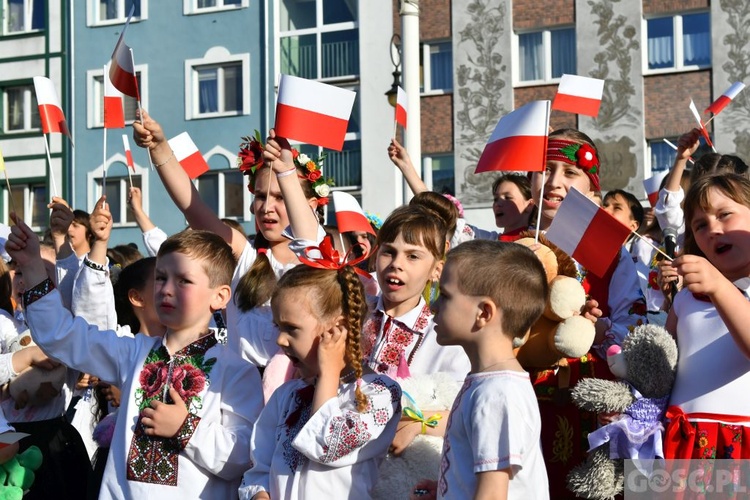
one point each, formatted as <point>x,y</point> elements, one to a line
<point>199,346</point>
<point>414,320</point>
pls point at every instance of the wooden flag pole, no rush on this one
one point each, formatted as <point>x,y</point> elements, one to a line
<point>659,250</point>
<point>49,163</point>
<point>539,208</point>
<point>138,101</point>
<point>10,194</point>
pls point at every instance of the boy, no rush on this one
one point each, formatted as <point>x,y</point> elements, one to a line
<point>624,207</point>
<point>188,404</point>
<point>491,447</point>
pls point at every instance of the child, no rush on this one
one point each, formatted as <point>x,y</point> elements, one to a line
<point>188,404</point>
<point>324,435</point>
<point>624,207</point>
<point>491,446</point>
<point>709,412</point>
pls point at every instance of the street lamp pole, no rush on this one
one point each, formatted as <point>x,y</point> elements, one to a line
<point>409,13</point>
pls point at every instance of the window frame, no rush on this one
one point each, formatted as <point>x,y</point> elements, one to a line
<point>190,7</point>
<point>246,200</point>
<point>28,201</point>
<point>547,49</point>
<point>28,21</point>
<point>678,53</point>
<point>215,56</point>
<point>28,111</point>
<point>649,170</point>
<point>93,183</point>
<point>95,95</point>
<point>426,73</point>
<point>92,14</point>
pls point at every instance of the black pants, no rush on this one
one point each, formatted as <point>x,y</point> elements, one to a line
<point>65,469</point>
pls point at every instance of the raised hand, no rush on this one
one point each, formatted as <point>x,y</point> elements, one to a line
<point>278,153</point>
<point>149,133</point>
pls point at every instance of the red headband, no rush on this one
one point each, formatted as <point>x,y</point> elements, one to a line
<point>582,156</point>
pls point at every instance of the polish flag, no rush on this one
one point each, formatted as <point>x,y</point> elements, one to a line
<point>702,126</point>
<point>121,70</point>
<point>583,230</point>
<point>725,98</point>
<point>402,102</point>
<point>313,112</point>
<point>50,110</point>
<point>187,154</point>
<point>114,116</point>
<point>651,185</point>
<point>128,154</point>
<point>519,141</point>
<point>349,215</point>
<point>579,94</point>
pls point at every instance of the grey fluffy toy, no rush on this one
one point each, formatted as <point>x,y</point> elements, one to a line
<point>646,366</point>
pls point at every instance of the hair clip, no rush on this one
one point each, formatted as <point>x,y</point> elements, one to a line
<point>330,258</point>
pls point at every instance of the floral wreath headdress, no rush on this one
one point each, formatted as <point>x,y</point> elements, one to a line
<point>582,156</point>
<point>250,159</point>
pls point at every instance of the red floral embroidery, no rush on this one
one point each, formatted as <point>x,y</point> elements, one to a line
<point>188,381</point>
<point>348,433</point>
<point>153,377</point>
<point>652,283</point>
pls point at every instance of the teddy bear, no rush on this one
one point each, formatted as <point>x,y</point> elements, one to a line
<point>17,473</point>
<point>34,386</point>
<point>561,332</point>
<point>646,365</point>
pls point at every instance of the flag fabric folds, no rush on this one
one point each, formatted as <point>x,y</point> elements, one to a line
<point>50,110</point>
<point>579,94</point>
<point>313,112</point>
<point>701,125</point>
<point>402,102</point>
<point>651,185</point>
<point>519,141</point>
<point>187,154</point>
<point>128,153</point>
<point>114,116</point>
<point>121,70</point>
<point>724,99</point>
<point>586,232</point>
<point>349,214</point>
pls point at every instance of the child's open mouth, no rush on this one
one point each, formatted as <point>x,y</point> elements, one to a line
<point>723,248</point>
<point>552,201</point>
<point>394,283</point>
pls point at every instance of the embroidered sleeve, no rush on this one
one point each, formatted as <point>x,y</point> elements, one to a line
<point>187,430</point>
<point>94,265</point>
<point>93,297</point>
<point>338,435</point>
<point>37,292</point>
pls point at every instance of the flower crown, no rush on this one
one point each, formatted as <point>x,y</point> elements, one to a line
<point>374,220</point>
<point>581,155</point>
<point>250,159</point>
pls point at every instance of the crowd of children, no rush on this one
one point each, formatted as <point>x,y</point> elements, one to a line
<point>220,367</point>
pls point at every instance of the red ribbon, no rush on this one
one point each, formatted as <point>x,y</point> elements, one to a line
<point>330,258</point>
<point>679,423</point>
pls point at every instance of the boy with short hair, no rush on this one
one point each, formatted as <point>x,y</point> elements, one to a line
<point>624,207</point>
<point>188,404</point>
<point>490,293</point>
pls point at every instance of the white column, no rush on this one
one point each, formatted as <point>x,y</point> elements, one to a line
<point>410,66</point>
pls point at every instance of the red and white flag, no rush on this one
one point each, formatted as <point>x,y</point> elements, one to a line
<point>121,69</point>
<point>402,102</point>
<point>519,141</point>
<point>50,110</point>
<point>586,232</point>
<point>313,112</point>
<point>128,153</point>
<point>725,98</point>
<point>579,94</point>
<point>187,154</point>
<point>651,185</point>
<point>701,125</point>
<point>114,116</point>
<point>349,214</point>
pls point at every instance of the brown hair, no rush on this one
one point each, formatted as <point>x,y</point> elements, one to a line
<point>417,225</point>
<point>442,206</point>
<point>521,292</point>
<point>734,186</point>
<point>521,181</point>
<point>209,248</point>
<point>332,293</point>
<point>258,283</point>
<point>714,163</point>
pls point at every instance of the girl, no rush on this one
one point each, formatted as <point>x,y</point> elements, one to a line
<point>708,415</point>
<point>283,196</point>
<point>324,435</point>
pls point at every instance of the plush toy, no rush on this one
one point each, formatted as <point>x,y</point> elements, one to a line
<point>34,386</point>
<point>561,332</point>
<point>17,474</point>
<point>646,364</point>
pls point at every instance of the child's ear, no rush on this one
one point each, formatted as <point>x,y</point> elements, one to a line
<point>633,225</point>
<point>435,276</point>
<point>135,298</point>
<point>222,294</point>
<point>487,311</point>
<point>313,202</point>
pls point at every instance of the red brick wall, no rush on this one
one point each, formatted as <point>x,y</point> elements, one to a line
<point>672,6</point>
<point>434,19</point>
<point>437,124</point>
<point>530,14</point>
<point>557,119</point>
<point>667,97</point>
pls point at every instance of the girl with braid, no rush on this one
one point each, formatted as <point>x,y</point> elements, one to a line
<point>324,435</point>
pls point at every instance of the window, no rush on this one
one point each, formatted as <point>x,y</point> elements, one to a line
<point>217,85</point>
<point>117,196</point>
<point>95,93</point>
<point>30,202</point>
<point>437,67</point>
<point>223,191</point>
<point>23,15</point>
<point>115,11</point>
<point>200,6</point>
<point>319,39</point>
<point>443,172</point>
<point>679,42</point>
<point>662,154</point>
<point>21,110</point>
<point>546,55</point>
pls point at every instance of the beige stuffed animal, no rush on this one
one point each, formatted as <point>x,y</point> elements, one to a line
<point>34,386</point>
<point>561,332</point>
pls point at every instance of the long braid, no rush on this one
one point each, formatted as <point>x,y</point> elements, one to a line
<point>354,309</point>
